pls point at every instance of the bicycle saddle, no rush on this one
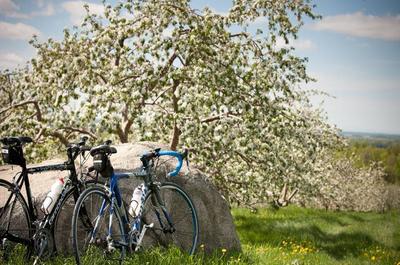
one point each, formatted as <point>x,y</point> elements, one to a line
<point>16,140</point>
<point>105,149</point>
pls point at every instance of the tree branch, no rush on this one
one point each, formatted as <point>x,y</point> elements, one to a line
<point>124,79</point>
<point>60,137</point>
<point>238,35</point>
<point>80,130</point>
<point>244,158</point>
<point>219,117</point>
<point>102,78</point>
<point>40,133</point>
<point>27,102</point>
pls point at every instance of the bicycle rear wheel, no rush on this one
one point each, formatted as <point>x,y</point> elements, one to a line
<point>173,204</point>
<point>14,221</point>
<point>90,228</point>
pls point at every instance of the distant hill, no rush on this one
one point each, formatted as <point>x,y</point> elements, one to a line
<point>371,136</point>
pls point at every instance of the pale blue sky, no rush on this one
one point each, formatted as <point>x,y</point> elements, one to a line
<point>354,52</point>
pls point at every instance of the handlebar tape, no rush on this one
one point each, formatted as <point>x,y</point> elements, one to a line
<point>178,156</point>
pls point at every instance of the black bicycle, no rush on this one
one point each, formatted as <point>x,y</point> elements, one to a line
<point>19,221</point>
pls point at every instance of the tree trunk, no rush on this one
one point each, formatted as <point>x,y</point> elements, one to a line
<point>122,134</point>
<point>176,132</point>
<point>175,137</point>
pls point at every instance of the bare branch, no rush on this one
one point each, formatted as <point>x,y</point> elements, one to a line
<point>80,130</point>
<point>40,133</point>
<point>238,35</point>
<point>245,158</point>
<point>27,102</point>
<point>219,117</point>
<point>125,78</point>
<point>24,103</point>
<point>181,60</point>
<point>60,137</point>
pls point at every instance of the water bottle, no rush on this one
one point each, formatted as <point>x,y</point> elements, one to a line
<point>136,201</point>
<point>52,196</point>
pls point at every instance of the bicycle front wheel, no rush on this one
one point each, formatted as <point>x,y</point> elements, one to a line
<point>62,224</point>
<point>174,219</point>
<point>93,238</point>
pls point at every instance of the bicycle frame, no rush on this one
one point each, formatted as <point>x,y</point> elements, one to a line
<point>115,196</point>
<point>22,179</point>
<point>149,186</point>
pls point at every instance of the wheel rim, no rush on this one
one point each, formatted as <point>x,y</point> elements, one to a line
<point>87,221</point>
<point>182,213</point>
<point>14,219</point>
<point>62,224</point>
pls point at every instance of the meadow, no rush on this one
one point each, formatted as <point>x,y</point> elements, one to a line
<point>290,235</point>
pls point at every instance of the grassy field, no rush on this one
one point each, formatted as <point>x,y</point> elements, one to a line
<point>306,236</point>
<point>292,236</point>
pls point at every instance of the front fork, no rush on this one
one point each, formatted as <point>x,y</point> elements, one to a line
<point>158,202</point>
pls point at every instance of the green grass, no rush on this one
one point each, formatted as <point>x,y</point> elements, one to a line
<point>306,236</point>
<point>291,236</point>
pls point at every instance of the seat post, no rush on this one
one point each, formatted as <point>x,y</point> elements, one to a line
<point>28,191</point>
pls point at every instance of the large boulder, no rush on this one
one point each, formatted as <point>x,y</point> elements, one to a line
<point>217,229</point>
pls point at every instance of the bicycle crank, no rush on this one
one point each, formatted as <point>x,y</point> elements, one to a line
<point>44,244</point>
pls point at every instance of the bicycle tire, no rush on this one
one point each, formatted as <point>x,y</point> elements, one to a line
<point>21,222</point>
<point>62,231</point>
<point>81,232</point>
<point>184,219</point>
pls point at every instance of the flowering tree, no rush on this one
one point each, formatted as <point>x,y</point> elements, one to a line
<point>160,70</point>
<point>343,186</point>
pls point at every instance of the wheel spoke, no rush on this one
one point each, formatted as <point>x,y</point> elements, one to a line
<point>14,220</point>
<point>95,238</point>
<point>181,214</point>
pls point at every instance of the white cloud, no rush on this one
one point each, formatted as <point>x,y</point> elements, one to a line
<point>297,44</point>
<point>18,31</point>
<point>360,25</point>
<point>77,12</point>
<point>10,9</point>
<point>47,11</point>
<point>40,3</point>
<point>10,60</point>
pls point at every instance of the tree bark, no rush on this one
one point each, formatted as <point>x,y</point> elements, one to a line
<point>60,137</point>
<point>176,133</point>
<point>175,137</point>
<point>123,137</point>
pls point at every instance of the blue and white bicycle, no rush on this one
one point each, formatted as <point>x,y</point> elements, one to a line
<point>102,225</point>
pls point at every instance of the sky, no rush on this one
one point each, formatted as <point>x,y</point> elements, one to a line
<point>353,51</point>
